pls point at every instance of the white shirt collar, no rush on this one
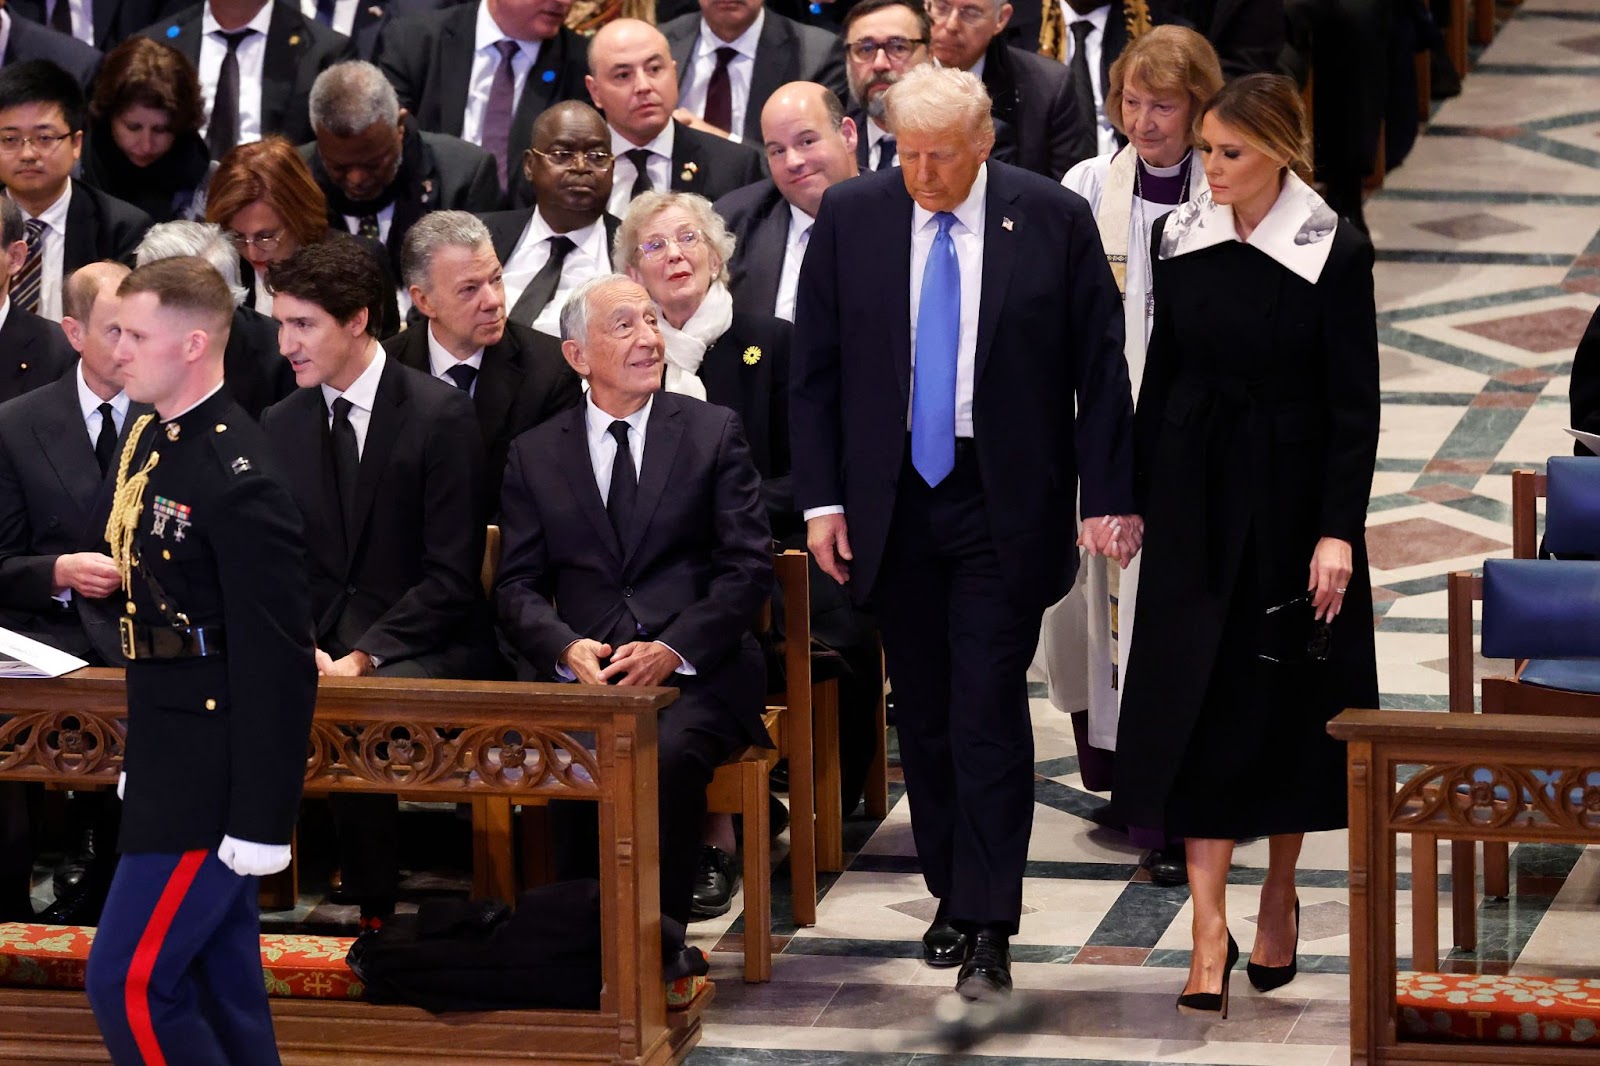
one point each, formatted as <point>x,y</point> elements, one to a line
<point>5,31</point>
<point>744,44</point>
<point>488,32</point>
<point>662,145</point>
<point>584,238</point>
<point>598,422</point>
<point>261,23</point>
<point>799,222</point>
<point>977,68</point>
<point>968,212</point>
<point>54,216</point>
<point>88,402</point>
<point>363,391</point>
<point>1098,17</point>
<point>441,358</point>
<point>5,301</point>
<point>875,132</point>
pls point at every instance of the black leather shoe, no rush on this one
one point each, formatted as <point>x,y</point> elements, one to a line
<point>943,945</point>
<point>714,884</point>
<point>987,972</point>
<point>72,868</point>
<point>82,903</point>
<point>1168,866</point>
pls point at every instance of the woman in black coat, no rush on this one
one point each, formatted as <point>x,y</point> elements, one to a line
<point>1256,438</point>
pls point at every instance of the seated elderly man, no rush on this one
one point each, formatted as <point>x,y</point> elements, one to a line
<point>636,552</point>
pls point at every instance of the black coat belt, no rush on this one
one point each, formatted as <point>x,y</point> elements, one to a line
<point>171,642</point>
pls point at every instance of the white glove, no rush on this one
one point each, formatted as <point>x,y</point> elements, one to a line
<point>249,859</point>
<point>122,783</point>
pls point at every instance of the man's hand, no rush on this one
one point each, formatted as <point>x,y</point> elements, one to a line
<point>356,664</point>
<point>1331,566</point>
<point>87,574</point>
<point>583,657</point>
<point>249,859</point>
<point>642,662</point>
<point>828,541</point>
<point>1115,536</point>
<point>695,122</point>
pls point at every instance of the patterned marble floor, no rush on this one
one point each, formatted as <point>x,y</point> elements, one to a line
<point>1488,270</point>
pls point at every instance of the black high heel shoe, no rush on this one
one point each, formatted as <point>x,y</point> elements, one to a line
<point>1212,1002</point>
<point>1266,978</point>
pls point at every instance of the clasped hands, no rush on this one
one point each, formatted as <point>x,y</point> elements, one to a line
<point>639,662</point>
<point>1116,537</point>
<point>356,664</point>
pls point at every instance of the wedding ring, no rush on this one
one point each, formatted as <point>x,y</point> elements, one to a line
<point>1339,591</point>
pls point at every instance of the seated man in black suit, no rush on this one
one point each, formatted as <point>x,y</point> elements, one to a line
<point>565,239</point>
<point>811,146</point>
<point>68,224</point>
<point>636,552</point>
<point>1035,111</point>
<point>33,352</point>
<point>26,39</point>
<point>516,377</point>
<point>882,40</point>
<point>1055,29</point>
<point>482,71</point>
<point>386,464</point>
<point>733,54</point>
<point>379,169</point>
<point>633,80</point>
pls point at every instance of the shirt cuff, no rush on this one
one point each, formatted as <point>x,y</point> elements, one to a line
<point>563,671</point>
<point>686,668</point>
<point>817,512</point>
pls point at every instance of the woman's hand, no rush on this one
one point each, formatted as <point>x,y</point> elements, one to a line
<point>1330,571</point>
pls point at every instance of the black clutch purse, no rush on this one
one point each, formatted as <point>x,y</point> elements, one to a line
<point>1290,633</point>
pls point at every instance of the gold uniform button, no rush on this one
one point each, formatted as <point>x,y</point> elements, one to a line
<point>133,608</point>
<point>211,705</point>
<point>222,427</point>
<point>24,366</point>
<point>165,554</point>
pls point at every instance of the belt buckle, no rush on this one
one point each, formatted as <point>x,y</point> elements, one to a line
<point>125,631</point>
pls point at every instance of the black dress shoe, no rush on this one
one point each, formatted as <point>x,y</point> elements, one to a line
<point>1168,866</point>
<point>72,868</point>
<point>714,884</point>
<point>81,905</point>
<point>943,945</point>
<point>987,972</point>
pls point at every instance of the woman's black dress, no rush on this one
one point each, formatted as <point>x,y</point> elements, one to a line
<point>165,190</point>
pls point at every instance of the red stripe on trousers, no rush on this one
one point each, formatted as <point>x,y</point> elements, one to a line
<point>137,995</point>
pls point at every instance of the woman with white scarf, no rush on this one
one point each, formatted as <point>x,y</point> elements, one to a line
<point>677,247</point>
<point>1157,86</point>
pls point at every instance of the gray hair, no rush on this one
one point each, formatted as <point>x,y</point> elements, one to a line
<point>575,312</point>
<point>932,99</point>
<point>625,249</point>
<point>435,230</point>
<point>167,240</point>
<point>349,98</point>
<point>11,226</point>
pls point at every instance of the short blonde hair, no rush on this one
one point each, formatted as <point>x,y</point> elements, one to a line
<point>1267,110</point>
<point>1168,59</point>
<point>646,206</point>
<point>931,99</point>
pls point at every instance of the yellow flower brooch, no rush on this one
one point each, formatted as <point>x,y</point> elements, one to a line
<point>752,355</point>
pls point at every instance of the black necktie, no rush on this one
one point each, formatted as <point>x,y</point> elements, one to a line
<point>346,463</point>
<point>885,153</point>
<point>325,12</point>
<point>641,178</point>
<point>368,227</point>
<point>1082,85</point>
<point>463,375</point>
<point>61,17</point>
<point>624,483</point>
<point>105,445</point>
<point>719,92</point>
<point>223,133</point>
<point>542,289</point>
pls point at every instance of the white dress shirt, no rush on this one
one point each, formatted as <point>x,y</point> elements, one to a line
<point>362,393</point>
<point>82,12</point>
<point>1106,135</point>
<point>740,70</point>
<point>344,14</point>
<point>441,360</point>
<point>589,258</point>
<point>5,309</point>
<point>252,56</point>
<point>5,31</point>
<point>385,223</point>
<point>967,233</point>
<point>623,172</point>
<point>794,254</point>
<point>485,61</point>
<point>875,134</point>
<point>52,251</point>
<point>89,404</point>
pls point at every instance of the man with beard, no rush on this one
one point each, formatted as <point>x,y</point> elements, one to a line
<point>882,40</point>
<point>552,248</point>
<point>379,170</point>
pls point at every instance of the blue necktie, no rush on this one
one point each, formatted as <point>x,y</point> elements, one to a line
<point>933,391</point>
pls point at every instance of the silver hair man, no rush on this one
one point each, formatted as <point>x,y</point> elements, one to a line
<point>350,98</point>
<point>435,230</point>
<point>166,240</point>
<point>575,312</point>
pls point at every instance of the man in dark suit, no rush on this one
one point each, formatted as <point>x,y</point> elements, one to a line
<point>1035,111</point>
<point>33,352</point>
<point>68,224</point>
<point>953,524</point>
<point>811,146</point>
<point>883,39</point>
<point>451,71</point>
<point>257,60</point>
<point>364,23</point>
<point>1101,28</point>
<point>110,22</point>
<point>386,465</point>
<point>637,553</point>
<point>633,81</point>
<point>732,56</point>
<point>515,376</point>
<point>379,170</point>
<point>550,249</point>
<point>26,39</point>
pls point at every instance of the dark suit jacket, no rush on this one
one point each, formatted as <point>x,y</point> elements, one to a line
<point>1049,331</point>
<point>693,572</point>
<point>298,49</point>
<point>100,227</point>
<point>409,586</point>
<point>747,371</point>
<point>1037,126</point>
<point>256,373</point>
<point>33,353</point>
<point>758,217</point>
<point>30,40</point>
<point>1023,30</point>
<point>786,51</point>
<point>428,57</point>
<point>114,20</point>
<point>720,165</point>
<point>372,19</point>
<point>1249,35</point>
<point>52,498</point>
<point>524,380</point>
<point>506,228</point>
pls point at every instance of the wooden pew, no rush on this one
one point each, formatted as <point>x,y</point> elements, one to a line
<point>439,740</point>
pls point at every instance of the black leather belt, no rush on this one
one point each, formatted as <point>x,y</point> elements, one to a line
<point>171,642</point>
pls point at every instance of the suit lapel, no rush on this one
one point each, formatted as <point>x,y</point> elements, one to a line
<point>663,432</point>
<point>506,233</point>
<point>899,220</point>
<point>688,175</point>
<point>499,381</point>
<point>682,51</point>
<point>455,68</point>
<point>769,239</point>
<point>187,37</point>
<point>83,226</point>
<point>775,52</point>
<point>578,468</point>
<point>1001,221</point>
<point>388,412</point>
<point>287,40</point>
<point>64,442</point>
<point>538,92</point>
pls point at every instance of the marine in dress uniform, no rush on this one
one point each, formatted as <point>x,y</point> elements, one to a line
<point>221,685</point>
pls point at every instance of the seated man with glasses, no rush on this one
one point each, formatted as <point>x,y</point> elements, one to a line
<point>67,224</point>
<point>565,239</point>
<point>882,40</point>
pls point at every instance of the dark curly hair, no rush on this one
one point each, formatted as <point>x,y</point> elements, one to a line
<point>339,275</point>
<point>141,72</point>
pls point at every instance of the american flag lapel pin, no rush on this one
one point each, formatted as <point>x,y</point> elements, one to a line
<point>1007,224</point>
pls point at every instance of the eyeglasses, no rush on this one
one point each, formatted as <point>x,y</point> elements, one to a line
<point>896,48</point>
<point>969,15</point>
<point>656,247</point>
<point>598,158</point>
<point>267,242</point>
<point>12,143</point>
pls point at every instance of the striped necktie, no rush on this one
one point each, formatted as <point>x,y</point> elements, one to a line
<point>25,286</point>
